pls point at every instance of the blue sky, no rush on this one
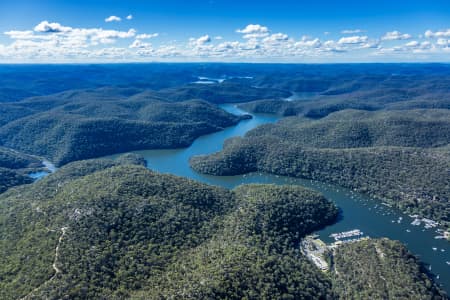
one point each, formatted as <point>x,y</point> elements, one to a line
<point>217,30</point>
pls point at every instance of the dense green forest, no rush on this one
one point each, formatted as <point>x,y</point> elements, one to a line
<point>120,228</point>
<point>399,157</point>
<point>321,106</point>
<point>252,255</point>
<point>90,124</point>
<point>380,269</point>
<point>15,167</point>
<point>112,229</point>
<point>13,159</point>
<point>81,114</point>
<point>108,229</point>
<point>124,223</point>
<point>10,178</point>
<point>342,88</point>
<point>226,92</point>
<point>18,82</point>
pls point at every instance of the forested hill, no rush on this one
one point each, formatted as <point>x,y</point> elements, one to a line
<point>18,82</point>
<point>318,95</point>
<point>115,225</point>
<point>398,156</point>
<point>421,128</point>
<point>112,229</point>
<point>15,167</point>
<point>67,113</point>
<point>319,107</point>
<point>226,92</point>
<point>253,255</point>
<point>83,124</point>
<point>380,269</point>
<point>102,229</point>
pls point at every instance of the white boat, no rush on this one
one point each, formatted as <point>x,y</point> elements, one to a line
<point>416,222</point>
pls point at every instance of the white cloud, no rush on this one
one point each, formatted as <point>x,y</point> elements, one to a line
<point>106,36</point>
<point>352,31</point>
<point>253,28</point>
<point>427,46</point>
<point>110,53</point>
<point>252,31</point>
<point>370,44</point>
<point>147,35</point>
<point>167,51</point>
<point>113,19</point>
<point>227,46</point>
<point>276,37</point>
<point>442,33</point>
<point>309,43</point>
<point>395,36</point>
<point>130,17</point>
<point>255,35</point>
<point>45,26</point>
<point>429,34</point>
<point>203,40</point>
<point>412,44</point>
<point>353,39</point>
<point>443,42</point>
<point>140,45</point>
<point>62,40</point>
<point>55,42</point>
<point>20,35</point>
<point>413,48</point>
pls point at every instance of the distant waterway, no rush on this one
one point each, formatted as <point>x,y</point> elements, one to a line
<point>49,168</point>
<point>301,96</point>
<point>358,211</point>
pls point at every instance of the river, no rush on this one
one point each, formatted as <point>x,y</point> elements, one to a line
<point>358,211</point>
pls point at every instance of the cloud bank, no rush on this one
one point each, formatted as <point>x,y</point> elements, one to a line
<point>54,42</point>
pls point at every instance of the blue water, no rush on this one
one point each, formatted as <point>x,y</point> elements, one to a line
<point>38,175</point>
<point>358,211</point>
<point>49,168</point>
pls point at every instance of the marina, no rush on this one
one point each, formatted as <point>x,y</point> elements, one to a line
<point>319,253</point>
<point>346,234</point>
<point>428,224</point>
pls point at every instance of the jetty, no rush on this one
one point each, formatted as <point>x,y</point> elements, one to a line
<point>346,234</point>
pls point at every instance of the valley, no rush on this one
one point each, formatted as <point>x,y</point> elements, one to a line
<point>176,189</point>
